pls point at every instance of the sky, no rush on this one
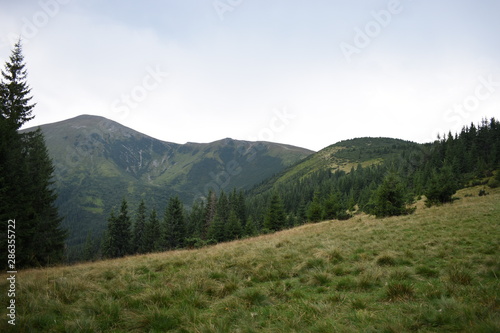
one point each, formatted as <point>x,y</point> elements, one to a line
<point>306,73</point>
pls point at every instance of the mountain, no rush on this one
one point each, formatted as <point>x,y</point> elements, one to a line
<point>343,156</point>
<point>98,162</point>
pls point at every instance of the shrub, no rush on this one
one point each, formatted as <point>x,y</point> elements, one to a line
<point>426,271</point>
<point>397,291</point>
<point>386,260</point>
<point>482,192</point>
<point>346,283</point>
<point>459,275</point>
<point>495,181</point>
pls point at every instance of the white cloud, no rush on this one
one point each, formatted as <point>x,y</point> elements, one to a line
<point>227,78</point>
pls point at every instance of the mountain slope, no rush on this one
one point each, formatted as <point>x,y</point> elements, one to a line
<point>98,162</point>
<point>343,155</point>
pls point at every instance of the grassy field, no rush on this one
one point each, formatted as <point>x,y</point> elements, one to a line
<point>435,271</point>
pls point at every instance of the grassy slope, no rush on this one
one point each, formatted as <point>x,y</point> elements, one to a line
<point>436,270</point>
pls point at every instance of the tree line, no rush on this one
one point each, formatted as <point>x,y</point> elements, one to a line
<point>436,170</point>
<point>219,218</point>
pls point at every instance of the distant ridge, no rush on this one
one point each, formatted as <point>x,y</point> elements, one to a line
<point>99,161</point>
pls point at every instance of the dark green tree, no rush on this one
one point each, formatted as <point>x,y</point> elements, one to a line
<point>138,234</point>
<point>14,92</point>
<point>333,207</point>
<point>315,210</point>
<point>250,228</point>
<point>26,188</point>
<point>210,212</point>
<point>46,244</point>
<point>389,198</point>
<point>195,224</point>
<point>174,224</point>
<point>223,207</point>
<point>301,213</point>
<point>89,248</point>
<point>152,233</point>
<point>442,187</point>
<point>217,230</point>
<point>237,203</point>
<point>275,218</point>
<point>119,242</point>
<point>233,229</point>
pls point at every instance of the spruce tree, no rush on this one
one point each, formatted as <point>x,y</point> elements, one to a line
<point>223,207</point>
<point>194,228</point>
<point>46,244</point>
<point>14,91</point>
<point>275,218</point>
<point>389,198</point>
<point>333,207</point>
<point>217,230</point>
<point>250,228</point>
<point>442,187</point>
<point>88,250</point>
<point>138,235</point>
<point>108,240</point>
<point>233,229</point>
<point>210,211</point>
<point>152,233</point>
<point>301,213</point>
<point>26,188</point>
<point>119,233</point>
<point>315,211</point>
<point>175,228</point>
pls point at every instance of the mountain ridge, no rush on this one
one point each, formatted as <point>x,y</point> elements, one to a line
<point>98,162</point>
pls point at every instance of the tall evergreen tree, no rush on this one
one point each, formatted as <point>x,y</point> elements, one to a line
<point>194,228</point>
<point>14,91</point>
<point>26,189</point>
<point>88,249</point>
<point>275,218</point>
<point>333,208</point>
<point>119,233</point>
<point>223,207</point>
<point>174,224</point>
<point>46,244</point>
<point>210,211</point>
<point>250,228</point>
<point>315,211</point>
<point>152,233</point>
<point>217,230</point>
<point>442,187</point>
<point>138,234</point>
<point>233,229</point>
<point>389,198</point>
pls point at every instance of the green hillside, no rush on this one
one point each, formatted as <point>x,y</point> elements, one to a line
<point>98,162</point>
<point>434,271</point>
<point>342,156</point>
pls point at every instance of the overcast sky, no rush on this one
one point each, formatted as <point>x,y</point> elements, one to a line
<point>308,73</point>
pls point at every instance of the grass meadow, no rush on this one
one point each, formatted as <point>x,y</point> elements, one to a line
<point>437,270</point>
